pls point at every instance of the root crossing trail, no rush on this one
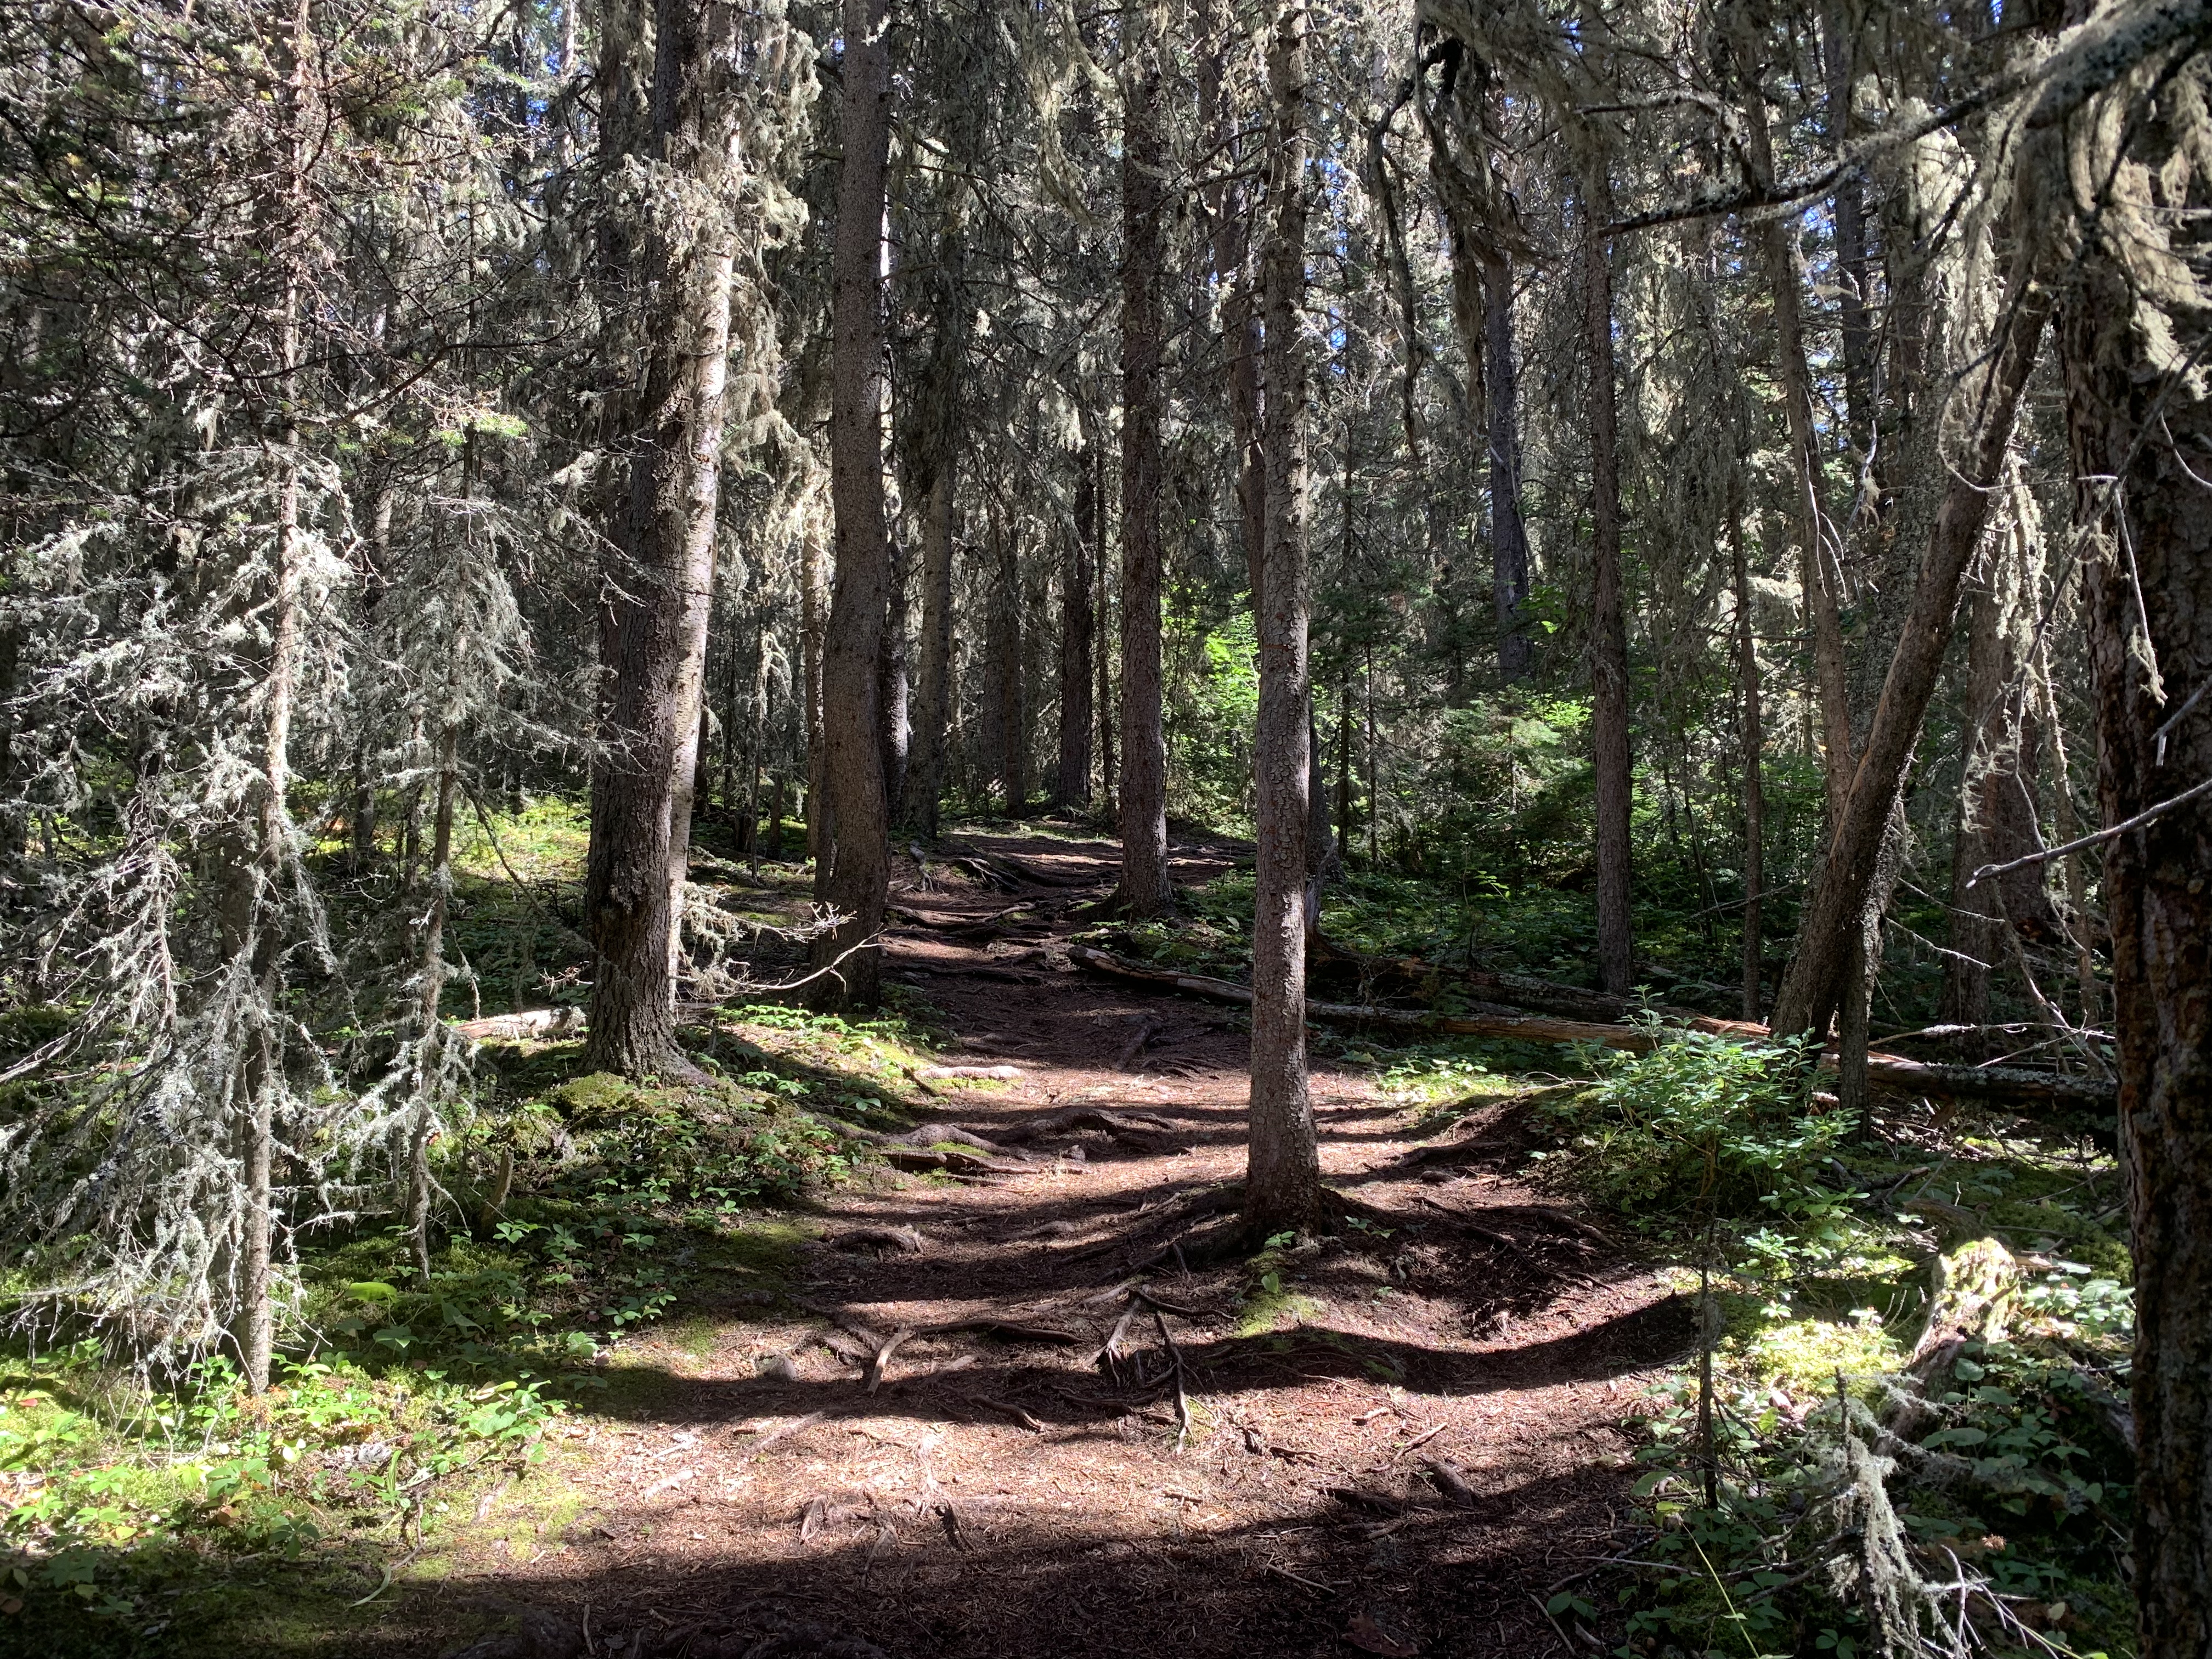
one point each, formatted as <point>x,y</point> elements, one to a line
<point>988,1428</point>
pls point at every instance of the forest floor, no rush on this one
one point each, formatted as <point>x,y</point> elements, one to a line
<point>1401,1439</point>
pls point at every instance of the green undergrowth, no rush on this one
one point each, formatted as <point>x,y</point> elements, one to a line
<point>1811,1251</point>
<point>151,1513</point>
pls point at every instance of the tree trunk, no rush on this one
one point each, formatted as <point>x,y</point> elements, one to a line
<point>1071,784</point>
<point>891,680</point>
<point>656,586</point>
<point>813,620</point>
<point>1838,66</point>
<point>1109,710</point>
<point>431,1038</point>
<point>1007,724</point>
<point>852,878</point>
<point>1509,534</point>
<point>1754,747</point>
<point>925,773</point>
<point>1820,575</point>
<point>2001,737</point>
<point>1608,629</point>
<point>1282,1183</point>
<point>2132,335</point>
<point>1144,886</point>
<point>708,371</point>
<point>1813,986</point>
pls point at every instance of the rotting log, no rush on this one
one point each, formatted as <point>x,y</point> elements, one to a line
<point>2010,1085</point>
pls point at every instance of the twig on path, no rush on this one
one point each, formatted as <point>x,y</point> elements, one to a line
<point>1111,1351</point>
<point>1182,1401</point>
<point>1008,1330</point>
<point>882,1358</point>
<point>1421,1439</point>
<point>1554,1624</point>
<point>1299,1578</point>
<point>797,1426</point>
<point>1178,1310</point>
<point>1452,1482</point>
<point>1013,1411</point>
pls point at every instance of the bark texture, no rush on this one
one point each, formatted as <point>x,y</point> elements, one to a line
<point>933,705</point>
<point>2132,332</point>
<point>1813,987</point>
<point>1071,784</point>
<point>1509,533</point>
<point>670,333</point>
<point>1145,887</point>
<point>1608,629</point>
<point>1282,1183</point>
<point>1754,750</point>
<point>853,877</point>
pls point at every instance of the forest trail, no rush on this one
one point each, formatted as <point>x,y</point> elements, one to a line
<point>1009,1495</point>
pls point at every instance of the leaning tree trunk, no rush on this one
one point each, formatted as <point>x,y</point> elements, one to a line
<point>1145,887</point>
<point>1813,987</point>
<point>2133,332</point>
<point>1608,629</point>
<point>655,586</point>
<point>1282,1184</point>
<point>853,877</point>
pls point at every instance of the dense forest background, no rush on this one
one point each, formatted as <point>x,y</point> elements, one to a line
<point>1676,511</point>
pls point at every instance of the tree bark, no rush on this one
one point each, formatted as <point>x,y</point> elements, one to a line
<point>813,622</point>
<point>2132,335</point>
<point>707,372</point>
<point>1071,783</point>
<point>657,581</point>
<point>1813,987</point>
<point>1608,629</point>
<point>1838,55</point>
<point>1999,808</point>
<point>854,877</point>
<point>1754,748</point>
<point>925,775</point>
<point>1819,575</point>
<point>1146,890</point>
<point>891,683</point>
<point>1109,711</point>
<point>430,1035</point>
<point>1509,533</point>
<point>1282,1183</point>
<point>1008,724</point>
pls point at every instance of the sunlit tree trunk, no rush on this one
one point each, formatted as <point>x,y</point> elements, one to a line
<point>1813,987</point>
<point>2132,334</point>
<point>1282,1177</point>
<point>656,589</point>
<point>852,876</point>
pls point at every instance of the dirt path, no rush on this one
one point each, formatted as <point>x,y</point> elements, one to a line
<point>989,1496</point>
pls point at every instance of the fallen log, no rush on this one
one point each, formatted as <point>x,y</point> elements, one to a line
<point>1526,994</point>
<point>2008,1084</point>
<point>535,1024</point>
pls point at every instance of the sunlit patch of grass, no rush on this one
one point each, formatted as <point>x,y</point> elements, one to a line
<point>547,840</point>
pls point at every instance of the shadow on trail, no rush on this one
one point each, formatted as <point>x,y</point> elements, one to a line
<point>940,1574</point>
